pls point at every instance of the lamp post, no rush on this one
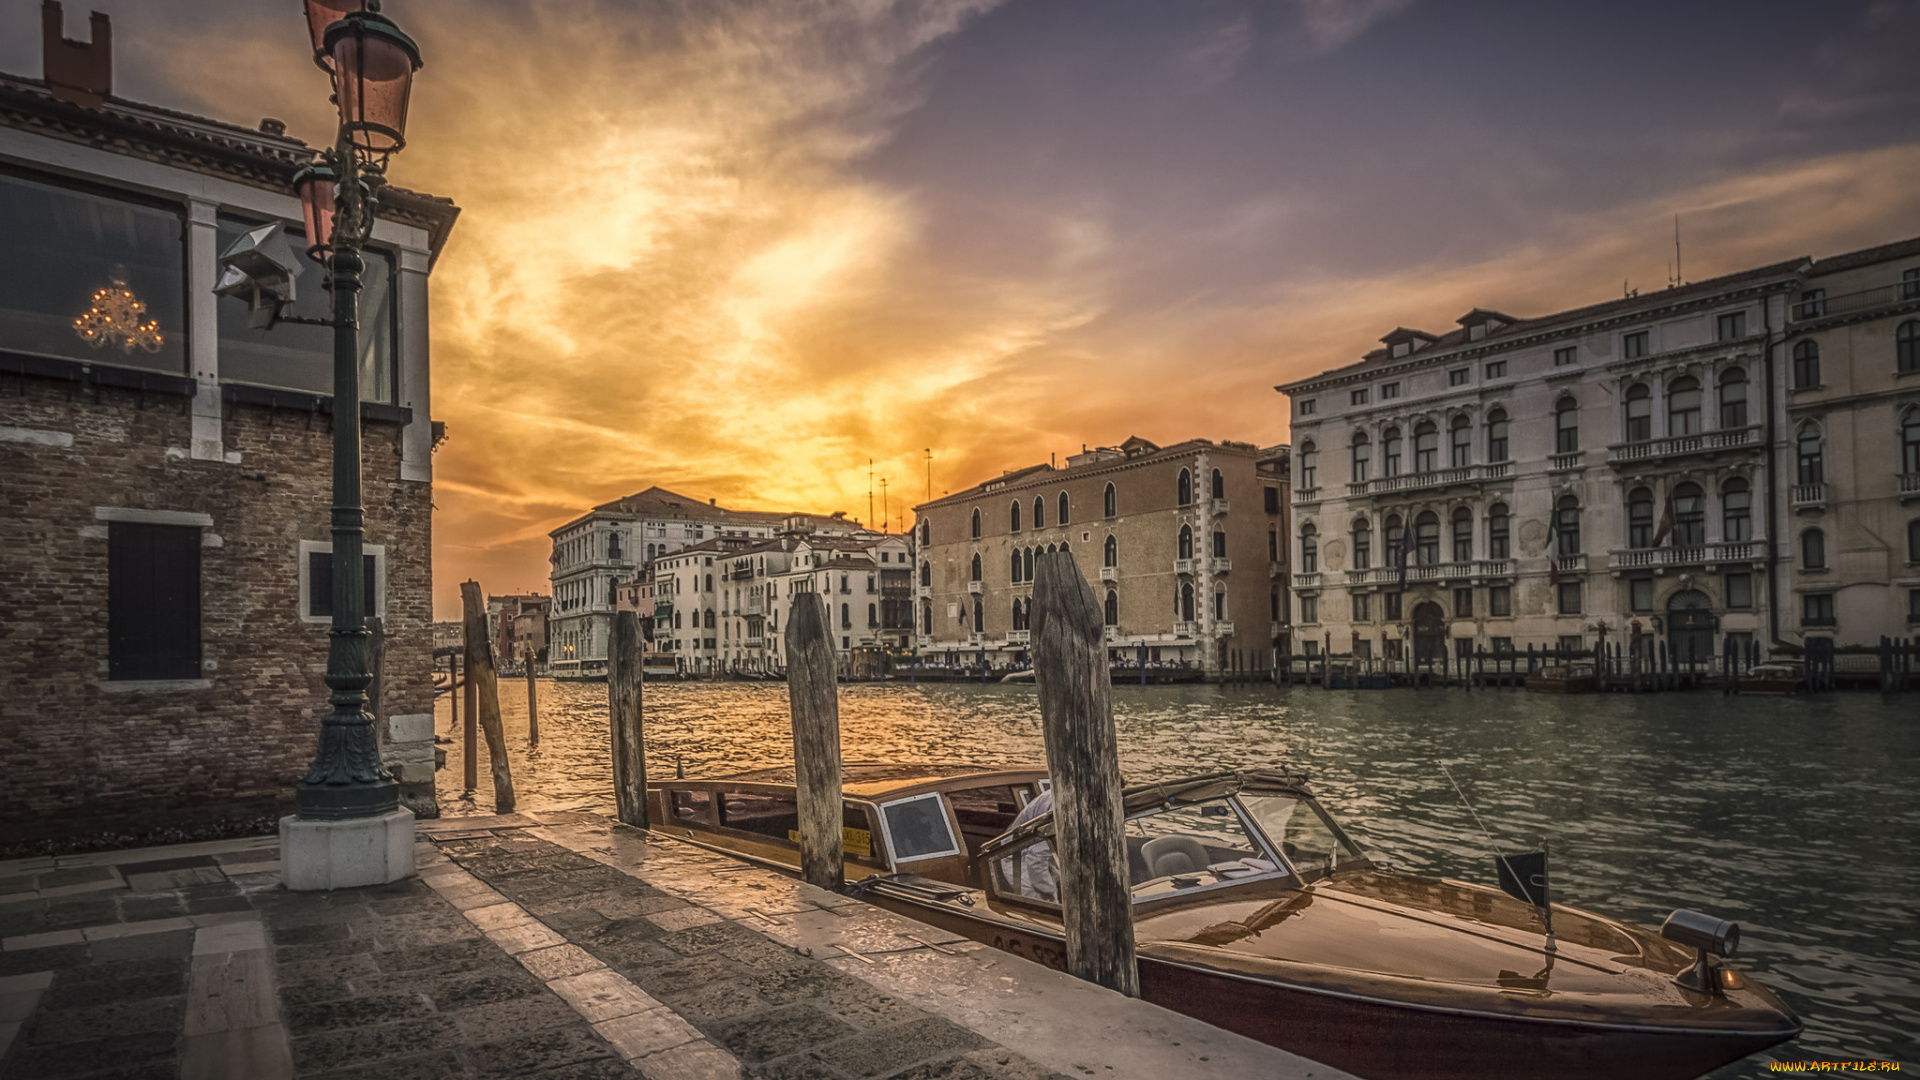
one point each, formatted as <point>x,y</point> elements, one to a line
<point>348,827</point>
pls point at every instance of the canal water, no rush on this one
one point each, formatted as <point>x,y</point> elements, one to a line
<point>1797,818</point>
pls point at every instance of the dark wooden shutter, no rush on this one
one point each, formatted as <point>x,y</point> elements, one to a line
<point>320,585</point>
<point>153,601</point>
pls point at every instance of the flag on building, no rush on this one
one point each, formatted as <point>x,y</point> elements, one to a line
<point>1666,520</point>
<point>1553,547</point>
<point>1400,560</point>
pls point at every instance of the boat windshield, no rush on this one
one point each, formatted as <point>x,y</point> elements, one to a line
<point>1302,833</point>
<point>1191,846</point>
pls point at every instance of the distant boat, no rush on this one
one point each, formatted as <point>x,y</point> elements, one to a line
<point>1774,677</point>
<point>1018,676</point>
<point>1577,678</point>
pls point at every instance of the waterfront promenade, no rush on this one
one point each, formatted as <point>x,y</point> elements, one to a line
<point>551,945</point>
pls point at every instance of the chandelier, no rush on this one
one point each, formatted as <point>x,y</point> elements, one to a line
<point>114,317</point>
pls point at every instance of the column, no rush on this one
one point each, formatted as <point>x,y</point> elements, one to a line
<point>203,335</point>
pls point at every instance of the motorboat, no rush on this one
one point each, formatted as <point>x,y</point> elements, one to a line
<point>1573,678</point>
<point>1774,677</point>
<point>1254,910</point>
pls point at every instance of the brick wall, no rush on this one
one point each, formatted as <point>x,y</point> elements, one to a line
<point>88,768</point>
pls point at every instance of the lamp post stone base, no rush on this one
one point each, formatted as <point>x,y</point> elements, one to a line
<point>344,854</point>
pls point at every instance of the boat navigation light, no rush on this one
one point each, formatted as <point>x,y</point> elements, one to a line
<point>1709,935</point>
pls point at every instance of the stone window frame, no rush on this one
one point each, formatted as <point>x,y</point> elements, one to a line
<point>310,547</point>
<point>106,515</point>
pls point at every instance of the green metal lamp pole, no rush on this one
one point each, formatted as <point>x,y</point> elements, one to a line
<point>372,64</point>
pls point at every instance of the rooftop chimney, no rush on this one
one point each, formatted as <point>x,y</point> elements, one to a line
<point>80,73</point>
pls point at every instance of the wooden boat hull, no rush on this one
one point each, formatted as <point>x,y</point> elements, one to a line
<point>1772,686</point>
<point>1582,685</point>
<point>1384,1040</point>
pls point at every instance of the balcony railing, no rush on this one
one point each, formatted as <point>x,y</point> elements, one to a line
<point>1306,496</point>
<point>1687,555</point>
<point>1308,581</point>
<point>1276,569</point>
<point>976,639</point>
<point>1570,564</point>
<point>1493,568</point>
<point>1882,296</point>
<point>1223,628</point>
<point>1222,565</point>
<point>923,591</point>
<point>1566,462</point>
<point>1183,566</point>
<point>755,643</point>
<point>1185,629</point>
<point>1809,496</point>
<point>975,588</point>
<point>755,606</point>
<point>1436,478</point>
<point>1109,573</point>
<point>1216,507</point>
<point>1706,442</point>
<point>1112,634</point>
<point>1018,637</point>
<point>1909,484</point>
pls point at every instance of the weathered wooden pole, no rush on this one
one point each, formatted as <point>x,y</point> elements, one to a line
<point>485,688</point>
<point>813,694</point>
<point>533,703</point>
<point>470,734</point>
<point>625,678</point>
<point>1076,718</point>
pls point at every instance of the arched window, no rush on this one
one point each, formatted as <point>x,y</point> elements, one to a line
<point>1499,532</point>
<point>976,567</point>
<point>1186,601</point>
<point>1396,536</point>
<point>1019,614</point>
<point>1039,512</point>
<point>1050,549</point>
<point>1813,550</point>
<point>1220,605</point>
<point>1910,443</point>
<point>1461,443</point>
<point>979,617</point>
<point>709,582</point>
<point>1640,518</point>
<point>1390,452</point>
<point>1273,544</point>
<point>1812,460</point>
<point>1426,447</point>
<point>1110,502</point>
<point>1026,565</point>
<point>1567,526</point>
<point>709,620</point>
<point>1566,426</point>
<point>1061,517</point>
<point>1113,608</point>
<point>1906,346</point>
<point>1462,535</point>
<point>1639,413</point>
<point>1013,516</point>
<point>1110,555</point>
<point>1736,511</point>
<point>1806,365</point>
<point>1015,575</point>
<point>926,616</point>
<point>976,523</point>
<point>926,574</point>
<point>926,533</point>
<point>1186,542</point>
<point>1683,406</point>
<point>1362,544</point>
<point>1309,467</point>
<point>1309,550</point>
<point>1184,487</point>
<point>1426,538</point>
<point>1362,457</point>
<point>1219,544</point>
<point>1219,485</point>
<point>1689,516</point>
<point>1497,436</point>
<point>1733,398</point>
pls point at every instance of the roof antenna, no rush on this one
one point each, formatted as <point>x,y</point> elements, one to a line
<point>1679,275</point>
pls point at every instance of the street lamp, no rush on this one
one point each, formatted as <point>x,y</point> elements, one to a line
<point>348,828</point>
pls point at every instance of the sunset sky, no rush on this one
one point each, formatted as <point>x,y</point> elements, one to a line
<point>739,248</point>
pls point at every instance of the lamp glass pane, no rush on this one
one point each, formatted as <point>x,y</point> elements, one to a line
<point>374,76</point>
<point>324,13</point>
<point>317,207</point>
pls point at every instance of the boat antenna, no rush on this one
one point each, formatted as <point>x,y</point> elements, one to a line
<point>1522,878</point>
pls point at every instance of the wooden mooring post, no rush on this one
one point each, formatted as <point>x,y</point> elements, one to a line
<point>484,689</point>
<point>533,702</point>
<point>1076,720</point>
<point>625,678</point>
<point>813,695</point>
<point>470,734</point>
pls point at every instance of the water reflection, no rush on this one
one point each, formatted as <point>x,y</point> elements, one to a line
<point>1789,816</point>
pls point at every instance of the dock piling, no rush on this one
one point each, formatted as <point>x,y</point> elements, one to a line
<point>484,692</point>
<point>533,703</point>
<point>813,695</point>
<point>626,681</point>
<point>1076,719</point>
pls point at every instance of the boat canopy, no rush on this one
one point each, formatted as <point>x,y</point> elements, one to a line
<point>1139,798</point>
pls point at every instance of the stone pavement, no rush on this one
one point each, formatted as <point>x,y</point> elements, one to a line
<point>553,946</point>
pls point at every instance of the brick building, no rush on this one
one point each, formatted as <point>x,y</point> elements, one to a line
<point>166,477</point>
<point>1184,545</point>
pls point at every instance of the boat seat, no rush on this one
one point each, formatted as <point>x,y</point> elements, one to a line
<point>1170,855</point>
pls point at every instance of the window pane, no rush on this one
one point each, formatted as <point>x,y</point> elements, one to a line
<point>153,601</point>
<point>1190,846</point>
<point>918,828</point>
<point>320,585</point>
<point>59,248</point>
<point>751,811</point>
<point>295,357</point>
